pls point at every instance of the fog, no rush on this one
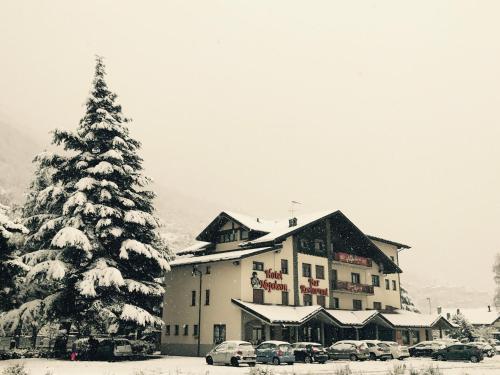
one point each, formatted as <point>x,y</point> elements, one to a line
<point>387,110</point>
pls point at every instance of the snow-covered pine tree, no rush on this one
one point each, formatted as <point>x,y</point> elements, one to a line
<point>101,247</point>
<point>406,301</point>
<point>10,267</point>
<point>465,329</point>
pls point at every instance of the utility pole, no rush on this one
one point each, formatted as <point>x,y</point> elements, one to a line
<point>198,272</point>
<point>430,307</point>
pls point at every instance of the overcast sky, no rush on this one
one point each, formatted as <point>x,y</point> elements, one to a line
<point>387,110</point>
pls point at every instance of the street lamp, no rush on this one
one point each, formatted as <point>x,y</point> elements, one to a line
<point>195,272</point>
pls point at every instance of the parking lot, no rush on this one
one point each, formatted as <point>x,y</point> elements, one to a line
<point>197,366</point>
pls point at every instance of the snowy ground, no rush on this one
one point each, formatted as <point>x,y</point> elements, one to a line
<point>196,366</point>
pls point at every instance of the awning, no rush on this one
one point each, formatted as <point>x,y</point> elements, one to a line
<point>410,319</point>
<point>284,315</point>
<point>358,318</point>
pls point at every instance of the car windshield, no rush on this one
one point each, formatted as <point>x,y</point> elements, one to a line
<point>284,347</point>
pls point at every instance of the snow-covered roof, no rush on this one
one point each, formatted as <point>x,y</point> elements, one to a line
<point>278,313</point>
<point>195,248</point>
<point>254,223</point>
<point>393,243</point>
<point>282,228</point>
<point>218,257</point>
<point>404,318</point>
<point>477,316</point>
<point>356,318</point>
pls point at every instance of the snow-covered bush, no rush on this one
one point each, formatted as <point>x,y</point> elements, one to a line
<point>17,369</point>
<point>261,371</point>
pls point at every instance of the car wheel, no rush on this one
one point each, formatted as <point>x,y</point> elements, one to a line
<point>234,362</point>
<point>251,364</point>
<point>440,357</point>
<point>276,361</point>
<point>209,360</point>
<point>353,357</point>
<point>474,359</point>
<point>307,359</point>
<point>373,357</point>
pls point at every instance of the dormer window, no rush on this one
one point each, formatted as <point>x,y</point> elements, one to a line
<point>227,236</point>
<point>243,234</point>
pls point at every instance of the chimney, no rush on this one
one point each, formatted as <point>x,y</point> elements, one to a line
<point>489,308</point>
<point>258,220</point>
<point>440,310</point>
<point>292,222</point>
<point>448,316</point>
<point>458,311</point>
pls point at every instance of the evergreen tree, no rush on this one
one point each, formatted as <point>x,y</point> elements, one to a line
<point>465,329</point>
<point>10,267</point>
<point>96,241</point>
<point>496,271</point>
<point>406,301</point>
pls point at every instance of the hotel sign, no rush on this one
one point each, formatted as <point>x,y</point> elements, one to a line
<point>273,281</point>
<point>352,259</point>
<point>313,288</point>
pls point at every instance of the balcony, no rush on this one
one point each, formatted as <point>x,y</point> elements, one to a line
<point>352,259</point>
<point>348,287</point>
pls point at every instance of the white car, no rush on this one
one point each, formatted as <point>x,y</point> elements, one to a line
<point>232,353</point>
<point>397,351</point>
<point>378,350</point>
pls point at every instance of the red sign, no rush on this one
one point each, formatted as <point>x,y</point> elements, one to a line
<point>352,259</point>
<point>313,288</point>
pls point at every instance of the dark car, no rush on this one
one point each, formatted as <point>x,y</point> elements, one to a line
<point>459,352</point>
<point>425,348</point>
<point>349,349</point>
<point>485,347</point>
<point>309,352</point>
<point>107,349</point>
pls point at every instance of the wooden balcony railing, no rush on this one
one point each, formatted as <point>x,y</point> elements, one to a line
<point>352,259</point>
<point>347,286</point>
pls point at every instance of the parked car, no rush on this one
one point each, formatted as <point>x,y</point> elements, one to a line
<point>486,348</point>
<point>459,352</point>
<point>397,351</point>
<point>378,350</point>
<point>348,349</point>
<point>232,353</point>
<point>309,352</point>
<point>425,348</point>
<point>275,352</point>
<point>107,349</point>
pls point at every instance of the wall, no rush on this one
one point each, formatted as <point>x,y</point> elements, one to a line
<point>271,260</point>
<point>224,283</point>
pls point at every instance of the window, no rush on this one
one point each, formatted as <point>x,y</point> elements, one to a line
<point>193,298</point>
<point>394,285</point>
<point>375,280</point>
<point>355,278</point>
<point>258,296</point>
<point>176,330</point>
<point>308,301</point>
<point>167,330</point>
<point>195,330</point>
<point>320,272</point>
<point>356,304</point>
<point>319,245</point>
<point>306,270</point>
<point>219,333</point>
<point>243,234</point>
<point>227,236</point>
<point>258,266</point>
<point>335,303</point>
<point>334,279</point>
<point>387,284</point>
<point>207,270</point>
<point>284,266</point>
<point>321,300</point>
<point>377,305</point>
<point>284,298</point>
<point>207,297</point>
<point>186,330</point>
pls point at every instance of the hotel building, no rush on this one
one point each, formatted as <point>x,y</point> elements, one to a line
<point>311,278</point>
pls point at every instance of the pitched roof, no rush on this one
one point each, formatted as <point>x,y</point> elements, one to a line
<point>404,318</point>
<point>477,316</point>
<point>355,318</point>
<point>219,256</point>
<point>393,243</point>
<point>278,314</point>
<point>197,247</point>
